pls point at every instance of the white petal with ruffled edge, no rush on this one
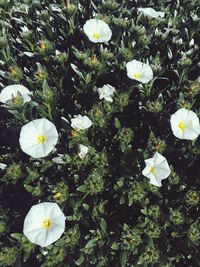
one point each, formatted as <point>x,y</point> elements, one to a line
<point>185,124</point>
<point>157,169</point>
<point>83,150</point>
<point>148,11</point>
<point>11,91</point>
<point>139,71</point>
<point>97,31</point>
<point>29,138</point>
<point>80,122</point>
<point>106,92</point>
<point>33,228</point>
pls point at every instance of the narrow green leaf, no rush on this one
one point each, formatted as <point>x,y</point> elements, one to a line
<point>82,188</point>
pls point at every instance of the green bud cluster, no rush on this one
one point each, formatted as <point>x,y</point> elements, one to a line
<point>153,230</point>
<point>13,173</point>
<point>150,256</point>
<point>194,233</point>
<point>136,193</point>
<point>176,217</point>
<point>115,216</point>
<point>130,239</point>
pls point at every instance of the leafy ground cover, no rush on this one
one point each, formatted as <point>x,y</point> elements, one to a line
<point>115,216</point>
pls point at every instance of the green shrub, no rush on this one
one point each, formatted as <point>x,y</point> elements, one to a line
<point>114,215</point>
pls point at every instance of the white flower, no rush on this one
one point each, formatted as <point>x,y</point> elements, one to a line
<point>139,71</point>
<point>148,11</point>
<point>156,169</point>
<point>80,122</point>
<point>83,150</point>
<point>2,166</point>
<point>97,30</point>
<point>44,224</point>
<point>106,92</point>
<point>185,124</point>
<point>10,92</point>
<point>38,138</point>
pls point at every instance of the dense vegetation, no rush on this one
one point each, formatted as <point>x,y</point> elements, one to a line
<point>114,216</point>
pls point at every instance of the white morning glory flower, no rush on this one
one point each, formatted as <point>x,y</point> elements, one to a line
<point>185,124</point>
<point>97,30</point>
<point>106,92</point>
<point>157,169</point>
<point>139,71</point>
<point>10,93</point>
<point>38,138</point>
<point>80,122</point>
<point>2,166</point>
<point>44,224</point>
<point>148,11</point>
<point>83,150</point>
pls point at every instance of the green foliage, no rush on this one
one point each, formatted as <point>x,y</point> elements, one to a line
<point>114,217</point>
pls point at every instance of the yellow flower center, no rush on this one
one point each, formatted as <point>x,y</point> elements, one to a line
<point>14,98</point>
<point>137,75</point>
<point>74,133</point>
<point>152,169</point>
<point>57,195</point>
<point>42,45</point>
<point>94,58</point>
<point>182,125</point>
<point>157,146</point>
<point>13,70</point>
<point>96,35</point>
<point>41,138</point>
<point>46,223</point>
<point>98,113</point>
<point>40,74</point>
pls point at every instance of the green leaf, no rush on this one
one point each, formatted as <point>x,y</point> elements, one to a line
<point>91,243</point>
<point>17,236</point>
<point>45,86</point>
<point>141,261</point>
<point>26,255</point>
<point>69,218</point>
<point>130,200</point>
<point>60,243</point>
<point>117,123</point>
<point>28,188</point>
<point>86,206</point>
<point>125,227</point>
<point>75,68</point>
<point>82,188</point>
<point>123,258</point>
<point>103,225</point>
<point>80,260</point>
<point>122,200</point>
<point>115,246</point>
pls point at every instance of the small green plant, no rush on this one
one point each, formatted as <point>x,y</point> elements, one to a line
<point>99,148</point>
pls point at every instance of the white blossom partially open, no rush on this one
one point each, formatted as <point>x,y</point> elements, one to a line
<point>157,169</point>
<point>38,138</point>
<point>44,224</point>
<point>10,93</point>
<point>139,71</point>
<point>185,124</point>
<point>80,122</point>
<point>106,92</point>
<point>150,12</point>
<point>97,30</point>
<point>83,150</point>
